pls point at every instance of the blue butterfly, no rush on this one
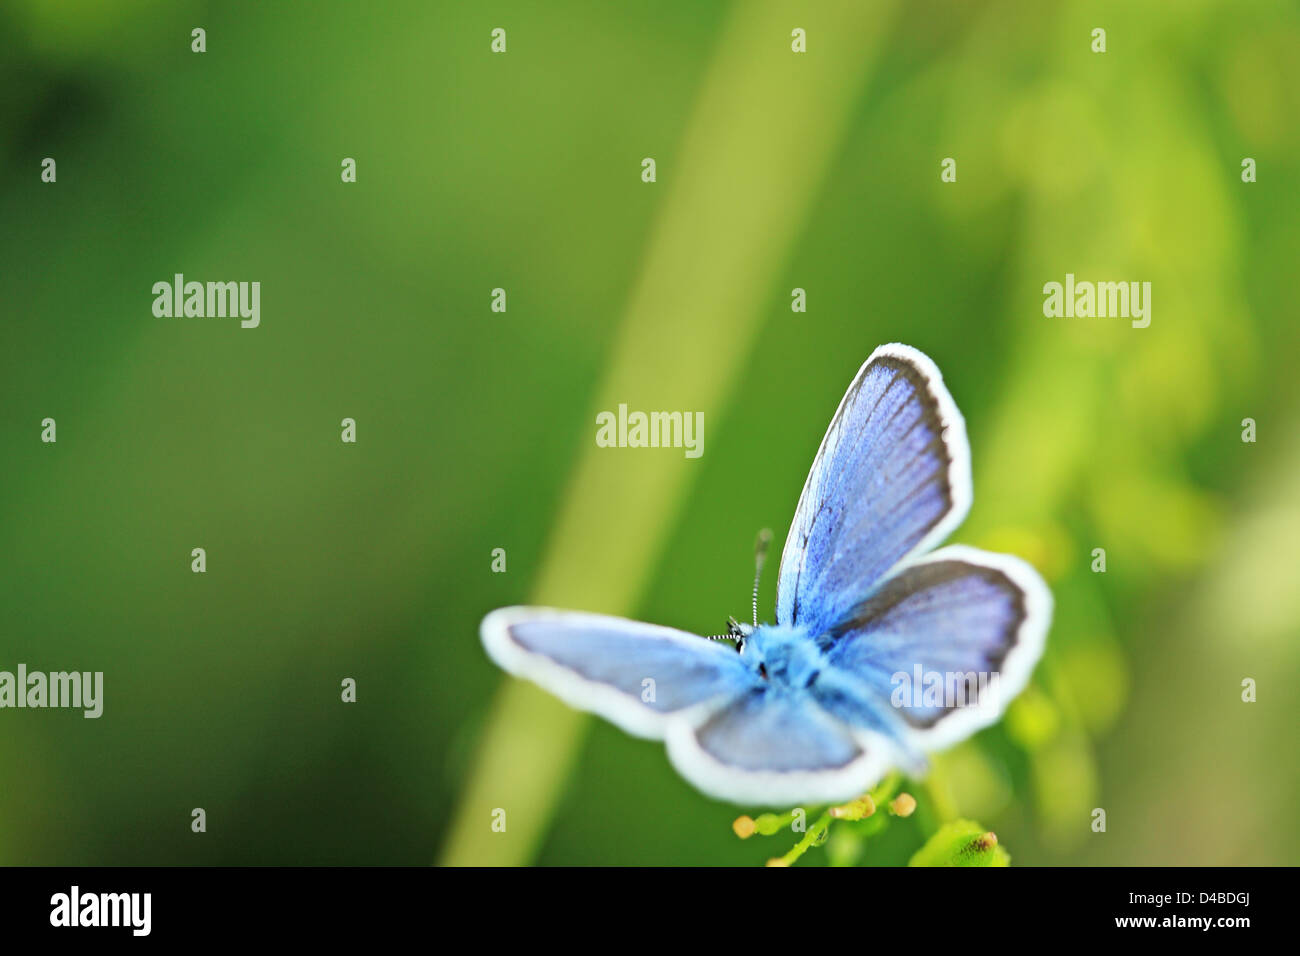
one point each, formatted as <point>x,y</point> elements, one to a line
<point>882,649</point>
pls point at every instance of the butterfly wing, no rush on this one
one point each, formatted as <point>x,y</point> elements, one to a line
<point>975,619</point>
<point>639,676</point>
<point>777,749</point>
<point>890,480</point>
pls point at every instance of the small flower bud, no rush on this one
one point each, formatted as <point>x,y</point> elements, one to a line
<point>858,809</point>
<point>903,805</point>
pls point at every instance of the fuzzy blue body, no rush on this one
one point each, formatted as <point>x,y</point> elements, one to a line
<point>783,657</point>
<point>787,663</point>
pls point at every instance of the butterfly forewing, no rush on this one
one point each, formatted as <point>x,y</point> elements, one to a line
<point>890,480</point>
<point>635,674</point>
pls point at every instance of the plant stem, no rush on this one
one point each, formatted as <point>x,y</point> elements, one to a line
<point>815,836</point>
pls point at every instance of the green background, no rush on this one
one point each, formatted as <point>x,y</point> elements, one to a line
<point>476,429</point>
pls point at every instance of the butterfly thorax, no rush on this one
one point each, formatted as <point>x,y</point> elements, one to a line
<point>782,656</point>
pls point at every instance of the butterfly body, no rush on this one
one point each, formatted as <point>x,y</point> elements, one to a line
<point>883,649</point>
<point>788,661</point>
<point>784,658</point>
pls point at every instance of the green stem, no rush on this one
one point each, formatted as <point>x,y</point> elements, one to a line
<point>820,830</point>
<point>815,836</point>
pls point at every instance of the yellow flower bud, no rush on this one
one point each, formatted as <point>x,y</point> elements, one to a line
<point>903,805</point>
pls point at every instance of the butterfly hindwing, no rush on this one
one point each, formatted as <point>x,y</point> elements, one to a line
<point>890,480</point>
<point>777,749</point>
<point>964,624</point>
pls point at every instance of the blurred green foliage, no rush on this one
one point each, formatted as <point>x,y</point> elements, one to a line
<point>522,171</point>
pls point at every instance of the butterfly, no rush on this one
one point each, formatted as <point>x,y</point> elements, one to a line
<point>883,649</point>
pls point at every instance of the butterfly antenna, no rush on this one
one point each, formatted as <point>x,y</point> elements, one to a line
<point>735,630</point>
<point>760,554</point>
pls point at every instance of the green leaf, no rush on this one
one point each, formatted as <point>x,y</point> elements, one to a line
<point>961,843</point>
